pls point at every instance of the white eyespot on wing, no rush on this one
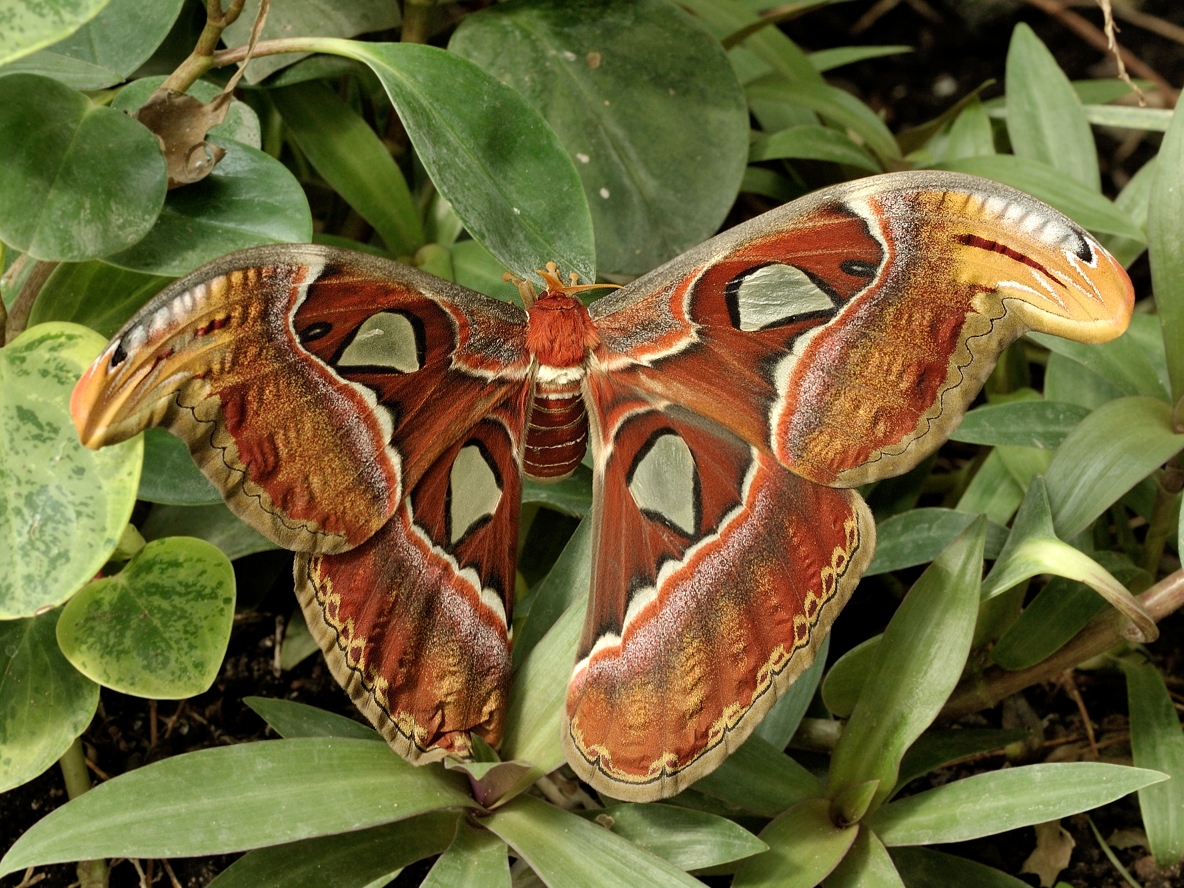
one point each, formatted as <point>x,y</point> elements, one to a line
<point>474,491</point>
<point>385,339</point>
<point>774,294</point>
<point>664,482</point>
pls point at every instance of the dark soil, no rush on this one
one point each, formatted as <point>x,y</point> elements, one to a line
<point>952,58</point>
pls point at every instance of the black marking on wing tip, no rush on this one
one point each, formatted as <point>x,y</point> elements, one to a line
<point>118,356</point>
<point>314,331</point>
<point>860,268</point>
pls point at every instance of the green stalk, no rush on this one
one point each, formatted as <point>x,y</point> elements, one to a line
<point>1162,512</point>
<point>91,873</point>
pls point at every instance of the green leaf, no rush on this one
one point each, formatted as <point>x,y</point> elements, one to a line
<point>1072,383</point>
<point>95,295</point>
<point>867,865</point>
<point>569,852</point>
<point>804,847</point>
<point>159,627</point>
<point>970,134</point>
<point>564,587</point>
<point>1134,200</point>
<point>215,524</point>
<point>1120,361</point>
<point>32,24</point>
<point>106,49</point>
<point>170,476</point>
<point>991,803</point>
<point>475,267</point>
<point>1158,743</point>
<point>1156,120</point>
<point>241,123</point>
<point>618,80</point>
<point>62,507</point>
<point>1044,117</point>
<point>925,868</point>
<point>297,18</point>
<point>937,748</point>
<point>489,152</point>
<point>44,702</point>
<point>845,679</point>
<point>1079,202</point>
<point>475,859</point>
<point>809,142</point>
<point>291,720</point>
<point>347,860</point>
<point>215,801</point>
<point>572,495</point>
<point>760,778</point>
<point>1110,451</point>
<point>80,180</point>
<point>249,199</point>
<point>688,839</point>
<point>779,724</point>
<point>918,536</point>
<point>917,664</point>
<point>993,491</point>
<point>353,160</point>
<point>1165,221</point>
<point>837,57</point>
<point>1020,423</point>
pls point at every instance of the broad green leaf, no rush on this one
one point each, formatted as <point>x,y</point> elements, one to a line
<point>347,860</point>
<point>804,847</point>
<point>1158,743</point>
<point>917,664</point>
<point>1020,423</point>
<point>996,801</point>
<point>937,748</point>
<point>837,57</point>
<point>809,142</point>
<point>80,180</point>
<point>845,679</point>
<point>1024,463</point>
<point>1121,361</point>
<point>300,18</point>
<point>292,720</point>
<point>1044,117</point>
<point>31,24</point>
<point>94,294</point>
<point>760,778</point>
<point>1165,221</point>
<point>475,267</point>
<point>489,152</point>
<point>1069,382</point>
<point>992,491</point>
<point>918,536</point>
<point>1156,120</point>
<point>925,868</point>
<point>249,199</point>
<point>159,627</point>
<point>241,123</point>
<point>779,724</point>
<point>572,495</point>
<point>62,507</point>
<point>215,524</point>
<point>475,859</point>
<point>297,644</point>
<point>1079,202</point>
<point>170,476</point>
<point>688,839</point>
<point>770,45</point>
<point>106,49</point>
<point>44,702</point>
<point>231,798</point>
<point>1134,200</point>
<point>617,80</point>
<point>867,865</point>
<point>564,587</point>
<point>1110,451</point>
<point>970,134</point>
<point>1147,334</point>
<point>568,851</point>
<point>353,160</point>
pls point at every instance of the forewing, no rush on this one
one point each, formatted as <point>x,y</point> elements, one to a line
<point>413,622</point>
<point>717,573</point>
<point>847,332</point>
<point>314,386</point>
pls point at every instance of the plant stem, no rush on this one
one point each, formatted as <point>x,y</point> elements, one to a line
<point>18,317</point>
<point>201,59</point>
<point>1158,528</point>
<point>91,873</point>
<point>990,687</point>
<point>417,16</point>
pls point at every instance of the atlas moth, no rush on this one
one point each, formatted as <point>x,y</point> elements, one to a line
<point>379,421</point>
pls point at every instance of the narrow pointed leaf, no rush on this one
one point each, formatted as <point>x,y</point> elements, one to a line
<point>804,847</point>
<point>475,859</point>
<point>761,779</point>
<point>937,748</point>
<point>845,680</point>
<point>1165,221</point>
<point>1066,380</point>
<point>992,491</point>
<point>867,865</point>
<point>690,840</point>
<point>214,523</point>
<point>925,868</point>
<point>917,664</point>
<point>778,726</point>
<point>1157,742</point>
<point>290,720</point>
<point>809,142</point>
<point>919,535</point>
<point>990,803</point>
<point>1120,361</point>
<point>1020,423</point>
<point>232,798</point>
<point>568,851</point>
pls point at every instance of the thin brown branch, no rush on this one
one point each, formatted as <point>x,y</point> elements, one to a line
<point>1075,695</point>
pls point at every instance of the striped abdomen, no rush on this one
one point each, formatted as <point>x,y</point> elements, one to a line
<point>557,430</point>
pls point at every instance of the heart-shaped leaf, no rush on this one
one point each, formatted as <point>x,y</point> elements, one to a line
<point>30,25</point>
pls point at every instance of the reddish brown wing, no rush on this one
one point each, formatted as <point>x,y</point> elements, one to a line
<point>413,622</point>
<point>716,575</point>
<point>847,332</point>
<point>313,386</point>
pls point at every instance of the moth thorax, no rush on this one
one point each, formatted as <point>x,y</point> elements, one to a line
<point>560,332</point>
<point>557,429</point>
